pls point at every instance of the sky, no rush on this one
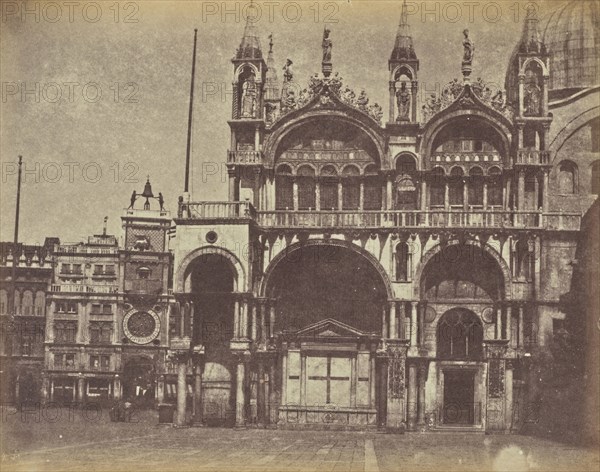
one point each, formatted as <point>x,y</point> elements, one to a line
<point>95,94</point>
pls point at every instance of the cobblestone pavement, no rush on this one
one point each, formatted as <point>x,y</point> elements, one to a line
<point>73,443</point>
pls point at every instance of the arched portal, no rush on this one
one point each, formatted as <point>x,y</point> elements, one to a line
<point>139,380</point>
<point>317,282</point>
<point>212,282</point>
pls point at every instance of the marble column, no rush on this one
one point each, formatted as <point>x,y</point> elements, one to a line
<point>198,393</point>
<point>521,321</point>
<point>413,323</point>
<point>80,389</point>
<point>412,396</point>
<point>421,401</point>
<point>236,318</point>
<point>272,406</point>
<point>240,395</point>
<point>295,193</point>
<point>393,321</point>
<point>261,394</point>
<point>180,418</point>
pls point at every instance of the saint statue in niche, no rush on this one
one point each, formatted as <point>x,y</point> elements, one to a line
<point>469,48</point>
<point>327,45</point>
<point>403,102</point>
<point>532,99</point>
<point>249,96</point>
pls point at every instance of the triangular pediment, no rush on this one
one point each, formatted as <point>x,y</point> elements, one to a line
<point>330,328</point>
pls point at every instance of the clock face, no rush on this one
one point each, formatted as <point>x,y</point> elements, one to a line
<point>141,327</point>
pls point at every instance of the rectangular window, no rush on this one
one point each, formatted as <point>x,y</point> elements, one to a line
<point>96,309</point>
<point>105,362</point>
<point>98,269</point>
<point>372,196</point>
<point>329,195</point>
<point>77,269</point>
<point>65,269</point>
<point>100,332</point>
<point>65,332</point>
<point>106,309</point>
<point>284,194</point>
<point>436,195</point>
<point>62,361</point>
<point>27,345</point>
<point>94,362</point>
<point>109,269</point>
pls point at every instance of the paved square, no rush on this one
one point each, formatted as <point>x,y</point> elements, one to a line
<point>74,443</point>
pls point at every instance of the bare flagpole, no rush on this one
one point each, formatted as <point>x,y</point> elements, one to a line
<point>16,239</point>
<point>189,134</point>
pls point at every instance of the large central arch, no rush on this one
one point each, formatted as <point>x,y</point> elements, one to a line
<point>327,279</point>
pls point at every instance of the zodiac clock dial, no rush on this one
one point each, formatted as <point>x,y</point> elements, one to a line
<point>141,327</point>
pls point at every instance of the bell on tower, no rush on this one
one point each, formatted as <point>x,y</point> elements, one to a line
<point>403,66</point>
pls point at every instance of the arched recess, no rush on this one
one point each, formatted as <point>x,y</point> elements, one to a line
<point>581,120</point>
<point>539,62</point>
<point>346,118</point>
<point>567,178</point>
<point>459,335</point>
<point>463,250</point>
<point>498,127</point>
<point>323,279</point>
<point>183,270</point>
<point>322,242</point>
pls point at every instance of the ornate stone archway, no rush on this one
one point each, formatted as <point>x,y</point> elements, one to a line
<point>502,266</point>
<point>181,273</point>
<point>265,282</point>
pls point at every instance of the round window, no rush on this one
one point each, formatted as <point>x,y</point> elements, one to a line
<point>212,237</point>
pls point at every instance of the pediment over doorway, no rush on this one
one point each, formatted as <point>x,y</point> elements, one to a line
<point>330,328</point>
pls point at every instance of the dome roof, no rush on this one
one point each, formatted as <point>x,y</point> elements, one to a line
<point>571,34</point>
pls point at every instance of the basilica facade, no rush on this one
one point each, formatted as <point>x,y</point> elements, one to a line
<point>397,270</point>
<point>405,269</point>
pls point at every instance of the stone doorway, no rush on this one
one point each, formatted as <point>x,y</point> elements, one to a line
<point>459,406</point>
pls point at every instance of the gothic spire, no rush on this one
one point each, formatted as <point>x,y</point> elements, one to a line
<point>530,39</point>
<point>403,48</point>
<point>250,45</point>
<point>271,81</point>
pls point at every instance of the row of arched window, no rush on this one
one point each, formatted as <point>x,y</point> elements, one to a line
<point>26,303</point>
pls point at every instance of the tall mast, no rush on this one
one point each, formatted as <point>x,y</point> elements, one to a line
<point>16,239</point>
<point>189,134</point>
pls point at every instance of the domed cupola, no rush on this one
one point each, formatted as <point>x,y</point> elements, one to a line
<point>571,34</point>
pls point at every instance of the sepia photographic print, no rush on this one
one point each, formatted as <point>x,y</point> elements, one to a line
<point>310,235</point>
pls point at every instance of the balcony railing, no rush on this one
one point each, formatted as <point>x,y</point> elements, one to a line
<point>216,210</point>
<point>81,249</point>
<point>432,218</point>
<point>244,157</point>
<point>80,288</point>
<point>532,157</point>
<point>416,219</point>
